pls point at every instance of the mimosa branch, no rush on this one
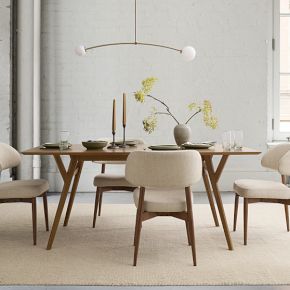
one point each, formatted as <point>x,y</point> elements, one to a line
<point>167,108</point>
<point>162,113</point>
<point>193,116</point>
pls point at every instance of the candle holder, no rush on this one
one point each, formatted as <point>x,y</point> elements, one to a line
<point>113,144</point>
<point>123,145</point>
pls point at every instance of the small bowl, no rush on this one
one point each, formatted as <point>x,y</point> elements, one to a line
<point>99,144</point>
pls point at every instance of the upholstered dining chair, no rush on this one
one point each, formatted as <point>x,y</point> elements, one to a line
<point>109,182</point>
<point>253,191</point>
<point>165,180</point>
<point>22,190</point>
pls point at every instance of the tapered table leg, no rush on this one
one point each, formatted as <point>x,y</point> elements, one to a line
<point>73,192</point>
<point>209,195</point>
<point>214,177</point>
<point>67,182</point>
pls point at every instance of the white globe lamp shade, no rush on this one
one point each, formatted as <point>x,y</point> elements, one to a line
<point>80,50</point>
<point>188,53</point>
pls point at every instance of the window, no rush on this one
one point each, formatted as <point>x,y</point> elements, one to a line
<point>281,70</point>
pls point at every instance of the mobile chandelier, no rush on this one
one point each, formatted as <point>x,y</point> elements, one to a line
<point>188,52</point>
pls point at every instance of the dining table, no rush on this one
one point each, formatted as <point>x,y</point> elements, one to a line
<point>78,154</point>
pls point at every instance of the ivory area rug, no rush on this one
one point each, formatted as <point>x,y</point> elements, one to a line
<point>82,255</point>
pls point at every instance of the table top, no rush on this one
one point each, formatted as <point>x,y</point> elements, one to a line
<point>122,153</point>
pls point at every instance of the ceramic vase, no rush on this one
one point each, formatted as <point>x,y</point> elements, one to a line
<point>182,134</point>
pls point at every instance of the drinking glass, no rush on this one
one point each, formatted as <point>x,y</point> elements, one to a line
<point>239,136</point>
<point>228,140</point>
<point>63,142</point>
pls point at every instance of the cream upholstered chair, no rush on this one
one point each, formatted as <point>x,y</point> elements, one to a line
<point>21,190</point>
<point>109,182</point>
<point>165,180</point>
<point>278,159</point>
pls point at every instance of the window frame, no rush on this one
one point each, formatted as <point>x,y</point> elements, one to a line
<point>277,134</point>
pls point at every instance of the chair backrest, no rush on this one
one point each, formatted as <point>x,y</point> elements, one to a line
<point>278,159</point>
<point>9,157</point>
<point>164,169</point>
<point>284,164</point>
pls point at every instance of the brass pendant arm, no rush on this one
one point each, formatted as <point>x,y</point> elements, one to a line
<point>133,43</point>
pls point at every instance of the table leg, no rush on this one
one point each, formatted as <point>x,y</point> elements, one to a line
<point>67,181</point>
<point>214,177</point>
<point>209,195</point>
<point>73,192</point>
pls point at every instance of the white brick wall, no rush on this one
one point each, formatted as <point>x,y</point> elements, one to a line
<point>5,70</point>
<point>5,75</point>
<point>233,64</point>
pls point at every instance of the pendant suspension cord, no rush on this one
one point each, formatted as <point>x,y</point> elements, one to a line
<point>135,42</point>
<point>135,21</point>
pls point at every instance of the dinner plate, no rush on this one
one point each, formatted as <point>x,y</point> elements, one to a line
<point>52,146</point>
<point>164,147</point>
<point>127,142</point>
<point>196,145</point>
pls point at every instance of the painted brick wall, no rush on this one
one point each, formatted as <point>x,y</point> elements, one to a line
<point>5,71</point>
<point>5,75</point>
<point>232,69</point>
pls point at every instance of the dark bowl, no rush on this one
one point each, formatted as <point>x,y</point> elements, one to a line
<point>99,144</point>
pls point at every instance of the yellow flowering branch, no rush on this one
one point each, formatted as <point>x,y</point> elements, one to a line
<point>150,123</point>
<point>192,116</point>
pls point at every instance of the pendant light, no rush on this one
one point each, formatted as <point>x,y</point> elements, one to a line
<point>188,53</point>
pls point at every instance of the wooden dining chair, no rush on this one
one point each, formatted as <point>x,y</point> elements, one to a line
<point>105,182</point>
<point>22,190</point>
<point>253,191</point>
<point>165,180</point>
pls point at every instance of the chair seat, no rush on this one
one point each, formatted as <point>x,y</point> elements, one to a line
<point>162,200</point>
<point>253,188</point>
<point>110,180</point>
<point>23,188</point>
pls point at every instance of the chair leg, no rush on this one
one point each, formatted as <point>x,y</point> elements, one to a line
<point>100,203</point>
<point>136,221</point>
<point>138,224</point>
<point>98,192</point>
<point>188,233</point>
<point>287,216</point>
<point>236,211</point>
<point>245,221</point>
<point>34,219</point>
<point>45,211</point>
<point>190,223</point>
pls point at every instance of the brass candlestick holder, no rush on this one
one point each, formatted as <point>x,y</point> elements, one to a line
<point>113,144</point>
<point>123,145</point>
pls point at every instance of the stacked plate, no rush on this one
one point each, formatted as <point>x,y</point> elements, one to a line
<point>127,142</point>
<point>188,145</point>
<point>197,145</point>
<point>51,146</point>
<point>164,147</point>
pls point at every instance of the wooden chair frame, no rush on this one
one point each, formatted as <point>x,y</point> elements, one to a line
<point>99,195</point>
<point>247,201</point>
<point>34,211</point>
<point>186,216</point>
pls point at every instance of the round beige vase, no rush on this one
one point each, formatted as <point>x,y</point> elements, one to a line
<point>182,134</point>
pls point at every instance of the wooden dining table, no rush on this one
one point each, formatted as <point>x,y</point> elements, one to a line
<point>79,154</point>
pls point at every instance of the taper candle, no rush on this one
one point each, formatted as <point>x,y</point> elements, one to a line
<point>124,110</point>
<point>114,117</point>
